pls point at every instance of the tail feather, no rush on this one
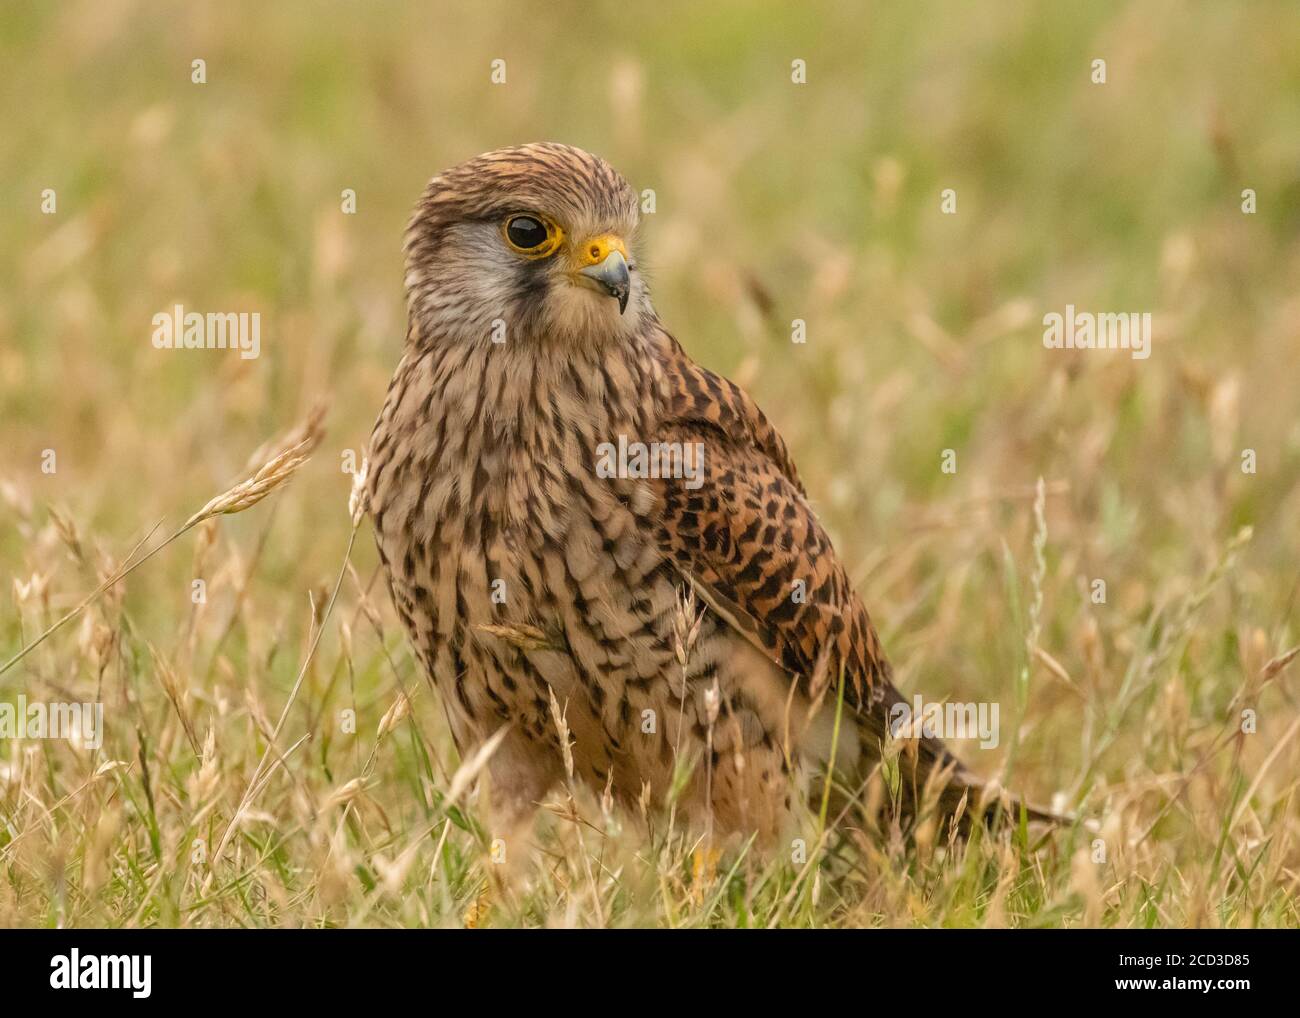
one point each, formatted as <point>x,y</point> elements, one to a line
<point>934,781</point>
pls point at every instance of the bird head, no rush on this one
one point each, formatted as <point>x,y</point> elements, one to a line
<point>526,245</point>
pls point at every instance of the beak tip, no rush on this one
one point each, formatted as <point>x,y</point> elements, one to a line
<point>614,277</point>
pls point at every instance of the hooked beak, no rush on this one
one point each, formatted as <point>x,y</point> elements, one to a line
<point>604,261</point>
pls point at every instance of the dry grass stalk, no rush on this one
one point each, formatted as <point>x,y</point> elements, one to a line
<point>394,715</point>
<point>248,493</point>
<point>273,473</point>
<point>521,635</point>
<point>562,727</point>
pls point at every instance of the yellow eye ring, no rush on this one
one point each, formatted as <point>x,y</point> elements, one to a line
<point>531,235</point>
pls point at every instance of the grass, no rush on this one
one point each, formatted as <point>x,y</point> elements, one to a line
<point>774,201</point>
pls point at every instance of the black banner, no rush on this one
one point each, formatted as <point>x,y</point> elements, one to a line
<point>336,967</point>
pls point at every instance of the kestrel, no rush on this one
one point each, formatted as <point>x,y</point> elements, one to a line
<point>551,472</point>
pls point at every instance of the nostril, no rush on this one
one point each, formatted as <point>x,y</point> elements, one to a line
<point>595,250</point>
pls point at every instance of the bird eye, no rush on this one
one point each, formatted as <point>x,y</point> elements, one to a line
<point>526,232</point>
<point>530,235</point>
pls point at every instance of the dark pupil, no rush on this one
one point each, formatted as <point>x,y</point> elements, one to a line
<point>526,232</point>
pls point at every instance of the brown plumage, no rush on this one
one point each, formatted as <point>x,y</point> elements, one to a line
<point>521,569</point>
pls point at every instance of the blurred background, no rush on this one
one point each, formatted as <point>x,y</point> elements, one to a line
<point>775,201</point>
